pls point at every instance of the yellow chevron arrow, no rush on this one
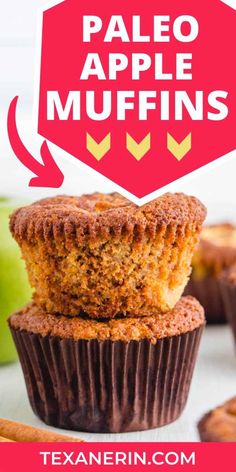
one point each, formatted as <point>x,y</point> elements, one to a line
<point>98,150</point>
<point>179,150</point>
<point>138,150</point>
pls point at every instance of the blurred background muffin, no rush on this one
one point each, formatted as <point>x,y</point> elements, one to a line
<point>215,252</point>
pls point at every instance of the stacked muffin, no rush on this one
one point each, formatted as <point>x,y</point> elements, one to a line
<point>108,344</point>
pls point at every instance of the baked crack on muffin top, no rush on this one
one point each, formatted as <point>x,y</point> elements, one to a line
<point>187,316</point>
<point>105,256</point>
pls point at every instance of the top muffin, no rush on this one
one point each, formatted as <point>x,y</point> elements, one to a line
<point>104,256</point>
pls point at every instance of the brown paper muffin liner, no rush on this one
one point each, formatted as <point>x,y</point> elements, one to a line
<point>228,292</point>
<point>106,386</point>
<point>208,293</point>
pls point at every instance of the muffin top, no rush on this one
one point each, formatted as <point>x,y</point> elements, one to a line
<point>220,424</point>
<point>187,315</point>
<point>221,235</point>
<point>102,215</point>
<point>217,248</point>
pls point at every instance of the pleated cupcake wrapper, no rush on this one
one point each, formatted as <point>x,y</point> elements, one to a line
<point>228,292</point>
<point>208,293</point>
<point>105,386</point>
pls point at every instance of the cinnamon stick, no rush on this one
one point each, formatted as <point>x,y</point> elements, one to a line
<point>5,439</point>
<point>19,432</point>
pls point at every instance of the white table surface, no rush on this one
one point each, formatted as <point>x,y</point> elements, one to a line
<point>214,382</point>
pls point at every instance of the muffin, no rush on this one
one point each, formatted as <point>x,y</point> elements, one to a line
<point>228,292</point>
<point>219,425</point>
<point>103,256</point>
<point>117,375</point>
<point>216,252</point>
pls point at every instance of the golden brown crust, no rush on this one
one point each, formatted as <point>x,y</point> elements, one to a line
<point>186,316</point>
<point>216,251</point>
<point>219,425</point>
<point>102,216</point>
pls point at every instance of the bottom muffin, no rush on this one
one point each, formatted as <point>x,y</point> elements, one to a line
<point>121,375</point>
<point>219,425</point>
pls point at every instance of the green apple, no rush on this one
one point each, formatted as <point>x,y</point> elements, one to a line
<point>14,285</point>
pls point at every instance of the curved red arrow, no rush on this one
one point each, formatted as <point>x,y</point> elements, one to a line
<point>47,174</point>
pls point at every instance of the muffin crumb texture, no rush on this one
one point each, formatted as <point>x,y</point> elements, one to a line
<point>216,251</point>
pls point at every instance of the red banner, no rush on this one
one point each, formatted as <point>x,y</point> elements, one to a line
<point>144,93</point>
<point>38,457</point>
